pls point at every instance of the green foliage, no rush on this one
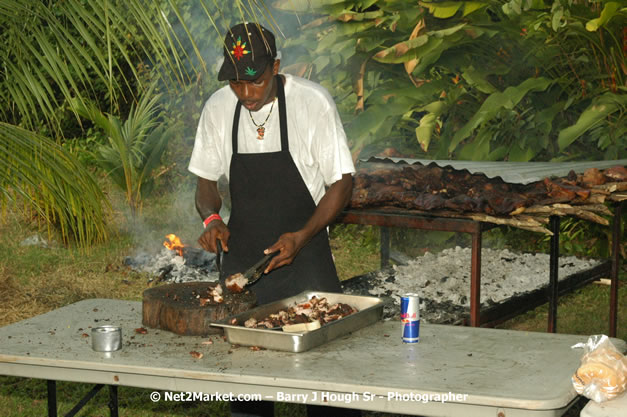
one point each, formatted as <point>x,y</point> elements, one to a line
<point>487,79</point>
<point>57,51</point>
<point>25,397</point>
<point>415,242</point>
<point>355,249</point>
<point>577,237</point>
<point>494,104</point>
<point>584,239</point>
<point>88,50</point>
<point>53,183</point>
<point>134,147</point>
<point>484,80</point>
<point>356,235</point>
<point>62,55</point>
<point>598,112</point>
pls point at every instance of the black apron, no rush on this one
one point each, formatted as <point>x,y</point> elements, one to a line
<point>269,198</point>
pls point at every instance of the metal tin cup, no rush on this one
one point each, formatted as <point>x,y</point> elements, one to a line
<point>410,318</point>
<point>106,338</point>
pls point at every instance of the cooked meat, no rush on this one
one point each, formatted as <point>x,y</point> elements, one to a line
<point>216,294</point>
<point>316,309</point>
<point>617,173</point>
<point>236,283</point>
<point>431,188</point>
<point>592,177</point>
<point>212,296</point>
<point>196,355</point>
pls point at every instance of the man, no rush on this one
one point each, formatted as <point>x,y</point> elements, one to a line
<point>280,142</point>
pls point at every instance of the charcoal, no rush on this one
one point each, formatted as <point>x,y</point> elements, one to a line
<point>443,283</point>
<point>199,258</point>
<point>168,266</point>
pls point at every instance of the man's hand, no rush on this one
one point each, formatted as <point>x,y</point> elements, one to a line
<point>331,204</point>
<point>288,245</point>
<point>216,230</point>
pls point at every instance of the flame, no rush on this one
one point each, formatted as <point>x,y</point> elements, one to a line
<point>174,243</point>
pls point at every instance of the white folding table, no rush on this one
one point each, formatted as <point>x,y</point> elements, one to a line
<point>482,372</point>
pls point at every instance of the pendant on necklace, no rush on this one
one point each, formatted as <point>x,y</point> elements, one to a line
<point>260,132</point>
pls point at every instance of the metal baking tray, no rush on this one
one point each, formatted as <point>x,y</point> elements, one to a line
<point>370,310</point>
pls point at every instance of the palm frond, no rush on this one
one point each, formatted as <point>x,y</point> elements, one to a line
<point>49,54</point>
<point>51,181</point>
<point>74,53</point>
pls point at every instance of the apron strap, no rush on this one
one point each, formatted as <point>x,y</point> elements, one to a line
<point>282,117</point>
<point>238,109</point>
<point>285,147</point>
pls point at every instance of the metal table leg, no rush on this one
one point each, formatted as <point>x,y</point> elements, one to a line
<point>52,398</point>
<point>615,267</point>
<point>414,221</point>
<point>113,400</point>
<point>475,280</point>
<point>553,273</point>
<point>91,394</point>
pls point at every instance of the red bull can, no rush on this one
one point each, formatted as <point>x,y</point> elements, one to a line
<point>410,318</point>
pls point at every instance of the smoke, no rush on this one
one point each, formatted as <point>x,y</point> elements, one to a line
<point>174,211</point>
<point>160,215</point>
<point>169,212</point>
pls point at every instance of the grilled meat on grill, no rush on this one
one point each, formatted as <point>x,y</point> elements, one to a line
<point>431,188</point>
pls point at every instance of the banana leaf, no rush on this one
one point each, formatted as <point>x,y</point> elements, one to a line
<point>494,102</point>
<point>599,109</point>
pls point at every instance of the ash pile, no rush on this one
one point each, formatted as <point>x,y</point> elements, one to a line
<point>186,265</point>
<point>443,281</point>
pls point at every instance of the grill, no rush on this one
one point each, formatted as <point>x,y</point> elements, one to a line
<point>393,208</point>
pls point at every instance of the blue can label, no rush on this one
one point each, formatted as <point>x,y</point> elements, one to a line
<point>411,331</point>
<point>410,318</point>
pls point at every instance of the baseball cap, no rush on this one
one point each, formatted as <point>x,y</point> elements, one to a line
<point>248,49</point>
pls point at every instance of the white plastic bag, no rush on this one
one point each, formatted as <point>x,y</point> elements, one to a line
<point>603,371</point>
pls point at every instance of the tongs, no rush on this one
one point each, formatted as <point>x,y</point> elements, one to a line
<point>219,259</point>
<point>253,273</point>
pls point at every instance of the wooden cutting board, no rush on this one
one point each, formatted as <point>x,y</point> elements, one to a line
<point>176,308</point>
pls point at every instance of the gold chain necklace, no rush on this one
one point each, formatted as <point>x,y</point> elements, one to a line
<point>261,130</point>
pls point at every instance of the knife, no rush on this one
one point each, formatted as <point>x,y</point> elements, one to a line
<point>218,259</point>
<point>256,271</point>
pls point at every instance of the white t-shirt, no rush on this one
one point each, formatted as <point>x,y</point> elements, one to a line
<point>316,137</point>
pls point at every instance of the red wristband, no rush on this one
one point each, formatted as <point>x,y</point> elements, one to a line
<point>211,218</point>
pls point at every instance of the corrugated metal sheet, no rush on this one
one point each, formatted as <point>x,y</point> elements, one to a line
<point>512,172</point>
